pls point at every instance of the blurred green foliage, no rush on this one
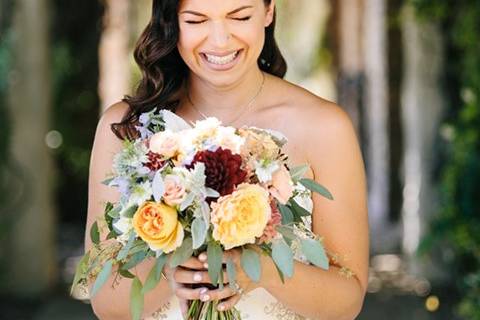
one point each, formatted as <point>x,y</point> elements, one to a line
<point>75,39</point>
<point>458,224</point>
<point>5,65</point>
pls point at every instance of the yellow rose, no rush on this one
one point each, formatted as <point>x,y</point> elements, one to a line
<point>241,216</point>
<point>157,225</point>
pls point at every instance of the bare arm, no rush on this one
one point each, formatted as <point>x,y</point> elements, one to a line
<point>335,157</point>
<point>114,303</point>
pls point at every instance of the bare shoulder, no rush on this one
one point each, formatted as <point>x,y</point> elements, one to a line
<point>311,119</point>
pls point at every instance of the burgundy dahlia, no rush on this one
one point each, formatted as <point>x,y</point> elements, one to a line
<point>155,161</point>
<point>222,169</point>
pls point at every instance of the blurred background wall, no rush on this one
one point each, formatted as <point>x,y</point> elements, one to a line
<point>407,72</point>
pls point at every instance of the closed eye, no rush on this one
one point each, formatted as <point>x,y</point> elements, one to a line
<point>242,19</point>
<point>195,22</point>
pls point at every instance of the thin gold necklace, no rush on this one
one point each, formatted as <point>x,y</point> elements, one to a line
<point>240,114</point>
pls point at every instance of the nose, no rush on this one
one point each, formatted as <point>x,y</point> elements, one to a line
<point>220,34</point>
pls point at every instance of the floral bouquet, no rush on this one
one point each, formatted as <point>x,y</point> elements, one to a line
<point>185,190</point>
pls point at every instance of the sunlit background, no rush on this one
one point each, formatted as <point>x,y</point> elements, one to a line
<point>407,71</point>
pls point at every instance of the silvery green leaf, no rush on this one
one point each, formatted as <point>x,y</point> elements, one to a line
<point>122,254</point>
<point>250,262</point>
<point>174,122</point>
<point>158,186</point>
<point>212,193</point>
<point>205,209</point>
<point>283,257</point>
<point>316,187</point>
<point>298,172</point>
<point>214,258</point>
<point>287,215</point>
<point>115,212</point>
<point>199,232</point>
<point>182,253</point>
<point>135,259</point>
<point>136,299</point>
<point>187,201</point>
<point>130,211</point>
<point>315,253</point>
<point>107,181</point>
<point>154,275</point>
<point>232,273</point>
<point>287,233</point>
<point>102,277</point>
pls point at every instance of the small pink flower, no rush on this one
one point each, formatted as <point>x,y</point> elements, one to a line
<point>165,143</point>
<point>174,193</point>
<point>270,232</point>
<point>281,188</point>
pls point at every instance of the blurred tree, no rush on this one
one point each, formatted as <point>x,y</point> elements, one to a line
<point>457,226</point>
<point>114,51</point>
<point>31,241</point>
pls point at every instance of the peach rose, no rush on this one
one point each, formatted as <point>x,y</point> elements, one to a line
<point>157,225</point>
<point>165,143</point>
<point>241,216</point>
<point>282,185</point>
<point>174,193</point>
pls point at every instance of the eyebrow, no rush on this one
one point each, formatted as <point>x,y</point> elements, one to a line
<point>202,15</point>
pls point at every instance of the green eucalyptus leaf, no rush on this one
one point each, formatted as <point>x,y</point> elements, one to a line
<point>134,260</point>
<point>182,253</point>
<point>136,299</point>
<point>94,233</point>
<point>250,262</point>
<point>122,254</point>
<point>199,232</point>
<point>315,253</point>
<point>130,211</point>
<point>155,273</point>
<point>283,257</point>
<point>287,233</point>
<point>214,256</point>
<point>287,215</point>
<point>232,273</point>
<point>298,172</point>
<point>316,187</point>
<point>114,212</point>
<point>102,277</point>
<point>301,211</point>
<point>126,273</point>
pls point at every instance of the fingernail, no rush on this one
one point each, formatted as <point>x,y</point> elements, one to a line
<point>205,297</point>
<point>203,290</point>
<point>205,265</point>
<point>221,307</point>
<point>202,257</point>
<point>197,277</point>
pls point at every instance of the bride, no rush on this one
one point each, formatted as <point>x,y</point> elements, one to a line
<point>219,58</point>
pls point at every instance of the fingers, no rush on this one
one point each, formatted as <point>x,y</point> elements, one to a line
<point>229,303</point>
<point>193,263</point>
<point>217,294</point>
<point>232,253</point>
<point>182,275</point>
<point>186,293</point>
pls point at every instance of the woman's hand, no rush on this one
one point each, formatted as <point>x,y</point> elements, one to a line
<point>190,281</point>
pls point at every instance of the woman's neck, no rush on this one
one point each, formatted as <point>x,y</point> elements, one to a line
<point>226,101</point>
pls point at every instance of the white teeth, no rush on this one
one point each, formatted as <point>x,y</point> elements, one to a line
<point>221,60</point>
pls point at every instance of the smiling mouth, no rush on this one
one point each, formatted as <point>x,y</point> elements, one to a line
<point>221,60</point>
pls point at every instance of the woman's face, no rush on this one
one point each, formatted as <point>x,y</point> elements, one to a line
<point>221,40</point>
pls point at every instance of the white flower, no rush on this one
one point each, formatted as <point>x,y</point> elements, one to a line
<point>140,193</point>
<point>265,169</point>
<point>303,197</point>
<point>123,225</point>
<point>228,139</point>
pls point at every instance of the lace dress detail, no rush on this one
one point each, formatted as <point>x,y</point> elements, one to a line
<point>259,303</point>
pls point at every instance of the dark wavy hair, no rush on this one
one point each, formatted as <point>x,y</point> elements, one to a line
<point>164,71</point>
